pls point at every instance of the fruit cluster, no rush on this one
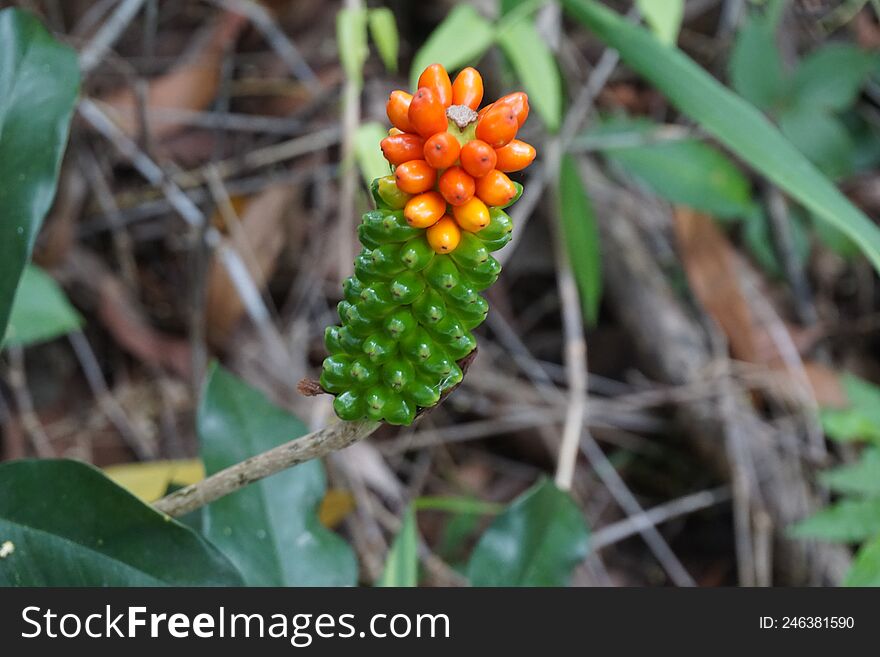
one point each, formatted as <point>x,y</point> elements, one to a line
<point>451,159</point>
<point>408,311</point>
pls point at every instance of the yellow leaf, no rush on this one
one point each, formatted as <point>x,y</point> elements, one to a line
<point>150,480</point>
<point>334,507</point>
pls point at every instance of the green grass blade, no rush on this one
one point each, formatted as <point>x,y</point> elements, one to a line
<point>735,123</point>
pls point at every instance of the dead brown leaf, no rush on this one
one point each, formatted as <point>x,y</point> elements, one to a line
<point>710,263</point>
<point>259,239</point>
<point>190,85</point>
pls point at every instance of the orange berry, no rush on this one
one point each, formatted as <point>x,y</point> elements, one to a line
<point>456,185</point>
<point>415,176</point>
<point>495,189</point>
<point>402,148</point>
<point>498,126</point>
<point>426,113</point>
<point>518,102</point>
<point>436,79</point>
<point>397,109</point>
<point>424,210</point>
<point>516,156</point>
<point>441,150</point>
<point>468,88</point>
<point>444,236</point>
<point>472,216</point>
<point>484,110</point>
<point>477,158</point>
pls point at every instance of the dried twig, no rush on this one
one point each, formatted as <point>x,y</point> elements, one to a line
<point>311,446</point>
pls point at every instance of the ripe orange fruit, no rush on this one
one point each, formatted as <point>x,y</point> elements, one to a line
<point>441,150</point>
<point>518,102</point>
<point>495,189</point>
<point>397,109</point>
<point>427,115</point>
<point>516,156</point>
<point>444,236</point>
<point>456,185</point>
<point>402,148</point>
<point>424,209</point>
<point>472,216</point>
<point>415,176</point>
<point>436,79</point>
<point>498,126</point>
<point>477,158</point>
<point>468,88</point>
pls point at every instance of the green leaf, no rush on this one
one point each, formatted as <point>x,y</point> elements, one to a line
<point>369,154</point>
<point>383,29</point>
<point>68,525</point>
<point>831,77</point>
<point>538,541</point>
<point>755,65</point>
<point>735,123</point>
<point>40,312</point>
<point>39,80</point>
<point>351,40</point>
<point>861,478</point>
<point>834,239</point>
<point>664,17</point>
<point>536,68</point>
<point>865,570</point>
<point>402,565</point>
<point>821,137</point>
<point>861,419</point>
<point>457,505</point>
<point>848,521</point>
<point>684,171</point>
<point>759,240</point>
<point>269,529</point>
<point>581,236</point>
<point>460,39</point>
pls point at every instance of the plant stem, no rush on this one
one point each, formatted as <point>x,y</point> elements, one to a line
<point>319,443</point>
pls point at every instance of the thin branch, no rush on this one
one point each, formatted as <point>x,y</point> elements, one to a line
<point>618,531</point>
<point>109,33</point>
<point>311,446</point>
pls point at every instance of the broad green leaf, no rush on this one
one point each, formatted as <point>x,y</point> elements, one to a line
<point>664,17</point>
<point>351,40</point>
<point>581,236</point>
<point>684,171</point>
<point>536,68</point>
<point>402,565</point>
<point>860,478</point>
<point>39,81</point>
<point>848,521</point>
<point>734,122</point>
<point>150,480</point>
<point>383,29</point>
<point>830,78</point>
<point>269,529</point>
<point>40,311</point>
<point>369,155</point>
<point>755,65</point>
<point>460,39</point>
<point>821,137</point>
<point>69,525</point>
<point>865,570</point>
<point>538,541</point>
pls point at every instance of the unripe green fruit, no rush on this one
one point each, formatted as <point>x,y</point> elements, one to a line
<point>407,314</point>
